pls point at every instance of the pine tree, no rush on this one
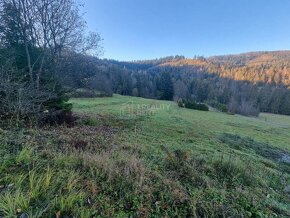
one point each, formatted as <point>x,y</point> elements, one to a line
<point>166,87</point>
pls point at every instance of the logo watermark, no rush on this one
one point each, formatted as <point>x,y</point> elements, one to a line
<point>131,109</point>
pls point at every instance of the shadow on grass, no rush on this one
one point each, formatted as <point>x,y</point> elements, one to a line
<point>265,150</point>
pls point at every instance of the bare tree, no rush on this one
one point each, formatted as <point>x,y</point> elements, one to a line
<point>51,26</point>
<point>18,99</point>
<point>180,90</point>
<point>35,35</point>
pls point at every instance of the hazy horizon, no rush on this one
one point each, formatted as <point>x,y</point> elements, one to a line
<point>195,55</point>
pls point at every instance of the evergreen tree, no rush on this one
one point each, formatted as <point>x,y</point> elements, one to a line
<point>166,87</point>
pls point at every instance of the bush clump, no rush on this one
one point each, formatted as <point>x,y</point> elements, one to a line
<point>192,105</point>
<point>220,107</point>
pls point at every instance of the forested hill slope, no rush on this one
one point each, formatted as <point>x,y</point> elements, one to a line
<point>245,83</point>
<point>252,58</point>
<point>266,67</point>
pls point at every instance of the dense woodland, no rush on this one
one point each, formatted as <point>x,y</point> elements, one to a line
<point>246,84</point>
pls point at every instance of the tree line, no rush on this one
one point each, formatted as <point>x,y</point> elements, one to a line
<point>201,82</point>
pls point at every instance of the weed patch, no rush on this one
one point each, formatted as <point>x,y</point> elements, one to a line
<point>233,172</point>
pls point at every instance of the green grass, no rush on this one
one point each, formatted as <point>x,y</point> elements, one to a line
<point>135,157</point>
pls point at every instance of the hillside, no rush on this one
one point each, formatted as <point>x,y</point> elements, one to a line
<point>245,84</point>
<point>135,157</point>
<point>266,67</point>
<point>264,57</point>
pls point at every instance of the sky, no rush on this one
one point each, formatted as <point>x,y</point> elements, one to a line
<point>148,29</point>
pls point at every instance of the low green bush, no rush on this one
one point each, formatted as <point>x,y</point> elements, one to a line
<point>180,103</point>
<point>219,106</point>
<point>196,106</point>
<point>192,105</point>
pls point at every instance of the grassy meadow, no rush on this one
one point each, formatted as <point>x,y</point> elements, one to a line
<point>135,157</point>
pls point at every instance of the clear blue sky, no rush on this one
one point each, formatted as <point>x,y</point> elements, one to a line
<point>146,29</point>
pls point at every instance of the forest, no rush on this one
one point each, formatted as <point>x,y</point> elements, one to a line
<point>246,84</point>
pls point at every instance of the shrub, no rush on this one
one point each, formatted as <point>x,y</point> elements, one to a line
<point>56,117</point>
<point>180,102</point>
<point>219,106</point>
<point>192,105</point>
<point>21,102</point>
<point>196,106</point>
<point>222,108</point>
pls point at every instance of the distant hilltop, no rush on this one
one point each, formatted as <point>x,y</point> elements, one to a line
<point>264,66</point>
